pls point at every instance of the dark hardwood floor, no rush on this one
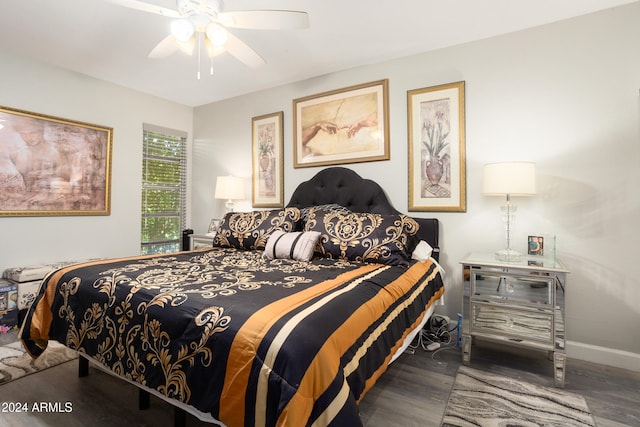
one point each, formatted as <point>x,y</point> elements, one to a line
<point>413,392</point>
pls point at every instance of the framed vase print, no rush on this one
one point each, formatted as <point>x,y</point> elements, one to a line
<point>437,164</point>
<point>267,161</point>
<point>52,166</point>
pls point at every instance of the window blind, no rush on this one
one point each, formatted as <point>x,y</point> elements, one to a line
<point>164,189</point>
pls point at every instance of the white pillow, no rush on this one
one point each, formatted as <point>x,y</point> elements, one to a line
<point>422,252</point>
<point>296,245</point>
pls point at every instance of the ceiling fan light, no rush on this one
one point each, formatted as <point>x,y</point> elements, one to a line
<point>216,34</point>
<point>212,50</point>
<point>182,29</point>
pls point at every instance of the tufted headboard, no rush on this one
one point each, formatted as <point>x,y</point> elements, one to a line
<point>346,188</point>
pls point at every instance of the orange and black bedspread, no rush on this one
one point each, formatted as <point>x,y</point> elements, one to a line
<point>250,341</point>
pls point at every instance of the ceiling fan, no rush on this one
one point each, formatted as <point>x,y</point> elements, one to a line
<point>197,22</point>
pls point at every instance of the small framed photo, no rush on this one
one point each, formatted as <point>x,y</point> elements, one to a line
<point>535,245</point>
<point>213,226</point>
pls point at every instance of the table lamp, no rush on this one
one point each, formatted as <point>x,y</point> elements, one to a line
<point>509,179</point>
<point>229,188</point>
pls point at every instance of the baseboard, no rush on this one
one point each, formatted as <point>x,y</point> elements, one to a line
<point>603,355</point>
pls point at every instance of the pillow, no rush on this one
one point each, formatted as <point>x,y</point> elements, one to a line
<point>251,230</point>
<point>422,252</point>
<point>330,207</point>
<point>365,237</point>
<point>297,245</point>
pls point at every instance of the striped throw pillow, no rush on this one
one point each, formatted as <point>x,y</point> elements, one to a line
<point>296,245</point>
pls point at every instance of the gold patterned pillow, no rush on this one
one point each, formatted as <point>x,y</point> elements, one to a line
<point>364,237</point>
<point>251,230</point>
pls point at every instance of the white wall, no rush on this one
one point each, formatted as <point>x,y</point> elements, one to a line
<point>565,96</point>
<point>43,89</point>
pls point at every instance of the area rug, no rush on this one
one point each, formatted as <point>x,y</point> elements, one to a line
<point>16,363</point>
<point>482,399</point>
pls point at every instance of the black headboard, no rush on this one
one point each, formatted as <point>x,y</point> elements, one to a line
<point>346,188</point>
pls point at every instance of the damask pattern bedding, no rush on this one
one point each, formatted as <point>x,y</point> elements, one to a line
<point>249,340</point>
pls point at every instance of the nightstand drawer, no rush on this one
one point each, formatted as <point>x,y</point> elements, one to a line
<point>531,325</point>
<point>532,289</point>
<point>200,241</point>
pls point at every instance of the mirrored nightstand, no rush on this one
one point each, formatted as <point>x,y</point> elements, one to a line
<point>517,303</point>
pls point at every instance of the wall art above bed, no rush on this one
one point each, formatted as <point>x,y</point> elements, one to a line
<point>268,171</point>
<point>346,125</point>
<point>53,167</point>
<point>437,164</point>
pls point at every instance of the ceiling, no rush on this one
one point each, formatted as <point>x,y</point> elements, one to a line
<point>111,43</point>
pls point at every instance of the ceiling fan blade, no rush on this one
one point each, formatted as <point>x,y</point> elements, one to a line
<point>265,19</point>
<point>242,52</point>
<point>147,7</point>
<point>187,47</point>
<point>166,47</point>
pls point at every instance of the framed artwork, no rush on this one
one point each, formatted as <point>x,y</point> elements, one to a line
<point>437,164</point>
<point>267,161</point>
<point>347,125</point>
<point>53,167</point>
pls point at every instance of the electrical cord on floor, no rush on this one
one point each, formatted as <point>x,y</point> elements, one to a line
<point>436,336</point>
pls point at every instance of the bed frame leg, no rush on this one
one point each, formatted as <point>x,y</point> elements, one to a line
<point>143,399</point>
<point>179,417</point>
<point>83,367</point>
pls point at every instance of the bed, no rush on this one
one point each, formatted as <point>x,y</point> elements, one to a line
<point>288,320</point>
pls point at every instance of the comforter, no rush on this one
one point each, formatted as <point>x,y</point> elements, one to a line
<point>250,341</point>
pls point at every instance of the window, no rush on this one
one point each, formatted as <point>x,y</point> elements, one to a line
<point>164,188</point>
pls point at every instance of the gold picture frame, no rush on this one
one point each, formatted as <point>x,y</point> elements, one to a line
<point>267,161</point>
<point>347,125</point>
<point>437,163</point>
<point>51,166</point>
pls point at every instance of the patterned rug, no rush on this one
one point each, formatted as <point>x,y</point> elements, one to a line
<point>482,399</point>
<point>16,363</point>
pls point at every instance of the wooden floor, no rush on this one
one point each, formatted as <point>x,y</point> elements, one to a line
<point>413,392</point>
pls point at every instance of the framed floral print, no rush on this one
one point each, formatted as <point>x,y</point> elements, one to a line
<point>346,125</point>
<point>437,164</point>
<point>267,161</point>
<point>51,166</point>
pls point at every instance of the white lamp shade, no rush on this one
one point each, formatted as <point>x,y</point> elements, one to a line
<point>513,178</point>
<point>229,188</point>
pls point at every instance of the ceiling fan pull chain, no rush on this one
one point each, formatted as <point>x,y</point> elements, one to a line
<point>199,53</point>
<point>211,69</point>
